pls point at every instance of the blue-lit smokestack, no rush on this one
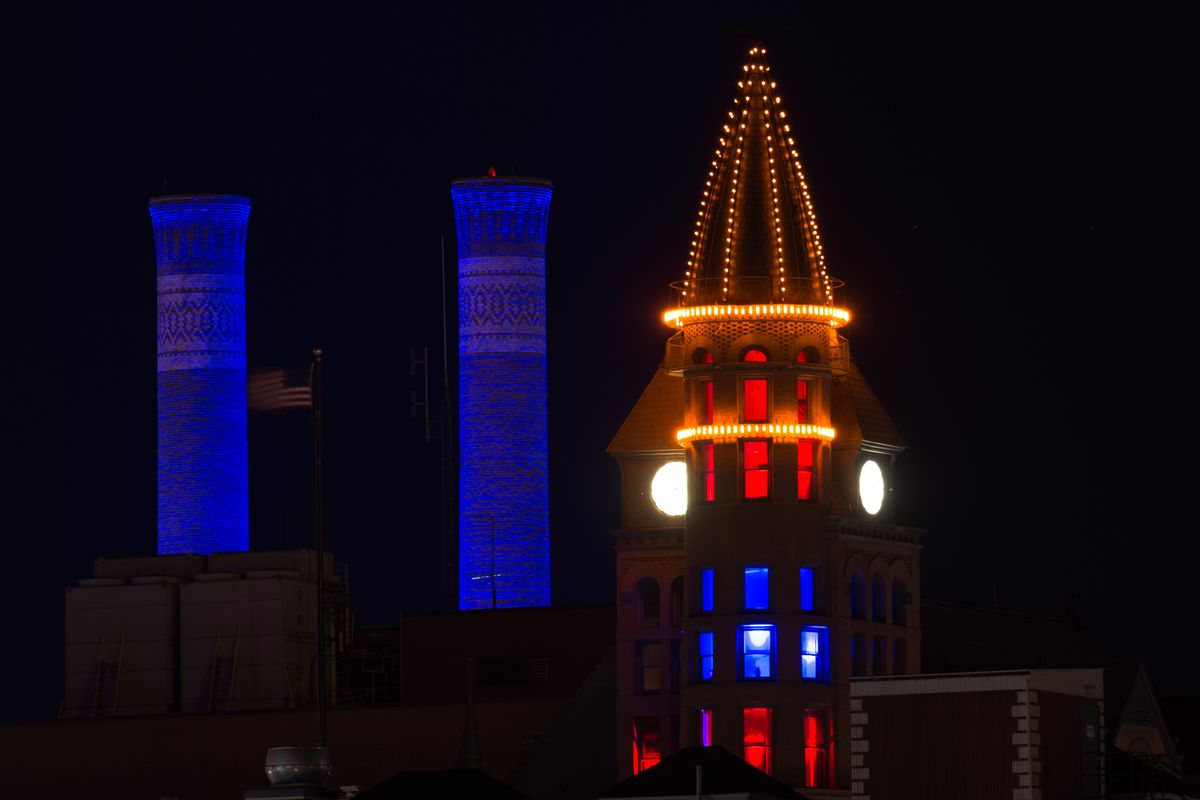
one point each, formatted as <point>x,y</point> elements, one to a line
<point>503,482</point>
<point>200,242</point>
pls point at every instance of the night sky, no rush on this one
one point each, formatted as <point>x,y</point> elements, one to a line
<point>998,188</point>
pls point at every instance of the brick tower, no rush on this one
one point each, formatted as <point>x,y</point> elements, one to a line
<point>203,495</point>
<point>504,509</point>
<point>793,580</point>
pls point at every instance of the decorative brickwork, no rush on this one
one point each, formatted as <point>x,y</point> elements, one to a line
<point>504,537</point>
<point>202,462</point>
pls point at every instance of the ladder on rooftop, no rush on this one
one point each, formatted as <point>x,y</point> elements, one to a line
<point>224,670</point>
<point>108,676</point>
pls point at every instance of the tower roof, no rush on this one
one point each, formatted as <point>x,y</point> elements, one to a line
<point>755,238</point>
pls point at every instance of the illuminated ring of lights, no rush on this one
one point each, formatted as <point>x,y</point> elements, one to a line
<point>729,433</point>
<point>836,317</point>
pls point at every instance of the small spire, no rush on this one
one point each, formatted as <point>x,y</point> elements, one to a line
<point>470,754</point>
<point>755,237</point>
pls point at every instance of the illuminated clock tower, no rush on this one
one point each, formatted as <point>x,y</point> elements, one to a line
<point>793,578</point>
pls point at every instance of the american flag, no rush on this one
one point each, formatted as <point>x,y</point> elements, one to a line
<point>279,389</point>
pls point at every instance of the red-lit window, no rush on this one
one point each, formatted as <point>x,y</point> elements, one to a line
<point>801,400</point>
<point>756,469</point>
<point>702,356</point>
<point>708,459</point>
<point>816,747</point>
<point>756,738</point>
<point>754,354</point>
<point>754,400</point>
<point>706,403</point>
<point>647,743</point>
<point>706,739</point>
<point>802,357</point>
<point>805,458</point>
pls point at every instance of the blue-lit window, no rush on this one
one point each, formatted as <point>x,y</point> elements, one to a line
<point>813,661</point>
<point>807,589</point>
<point>706,655</point>
<point>758,592</point>
<point>757,645</point>
<point>706,590</point>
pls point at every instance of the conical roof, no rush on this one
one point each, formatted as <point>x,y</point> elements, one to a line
<point>755,238</point>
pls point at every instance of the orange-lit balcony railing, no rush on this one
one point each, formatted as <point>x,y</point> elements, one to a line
<point>758,290</point>
<point>763,430</point>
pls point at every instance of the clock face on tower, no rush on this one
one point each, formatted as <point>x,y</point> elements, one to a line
<point>668,489</point>
<point>870,487</point>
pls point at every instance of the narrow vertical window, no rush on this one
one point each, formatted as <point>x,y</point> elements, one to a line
<point>899,657</point>
<point>807,589</point>
<point>704,642</point>
<point>710,471</point>
<point>706,402</point>
<point>648,605</point>
<point>757,585</point>
<point>647,743</point>
<point>805,459</point>
<point>756,738</point>
<point>757,645</point>
<point>649,663</point>
<point>756,470</point>
<point>879,599</point>
<point>858,595</point>
<point>706,739</point>
<point>879,654</point>
<point>858,655</point>
<point>900,600</point>
<point>801,400</point>
<point>706,590</point>
<point>814,665</point>
<point>816,747</point>
<point>754,400</point>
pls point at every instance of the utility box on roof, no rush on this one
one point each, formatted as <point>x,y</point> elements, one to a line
<point>121,641</point>
<point>248,642</point>
<point>1021,735</point>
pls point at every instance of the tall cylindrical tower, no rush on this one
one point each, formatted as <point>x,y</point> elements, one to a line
<point>200,242</point>
<point>504,521</point>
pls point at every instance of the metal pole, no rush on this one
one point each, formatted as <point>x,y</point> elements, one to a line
<point>493,578</point>
<point>320,512</point>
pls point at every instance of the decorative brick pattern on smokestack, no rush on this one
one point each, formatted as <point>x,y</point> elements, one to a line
<point>200,242</point>
<point>503,480</point>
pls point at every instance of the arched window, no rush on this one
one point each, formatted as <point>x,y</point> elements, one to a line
<point>900,601</point>
<point>808,355</point>
<point>702,355</point>
<point>879,599</point>
<point>677,602</point>
<point>754,354</point>
<point>648,613</point>
<point>858,595</point>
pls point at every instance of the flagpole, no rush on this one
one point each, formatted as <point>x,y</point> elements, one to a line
<point>320,513</point>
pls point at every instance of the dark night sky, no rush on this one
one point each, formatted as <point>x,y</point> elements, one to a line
<point>994,185</point>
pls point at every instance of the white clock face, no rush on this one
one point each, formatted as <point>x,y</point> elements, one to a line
<point>668,490</point>
<point>870,487</point>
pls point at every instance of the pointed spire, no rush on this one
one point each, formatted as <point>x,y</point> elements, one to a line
<point>755,238</point>
<point>470,754</point>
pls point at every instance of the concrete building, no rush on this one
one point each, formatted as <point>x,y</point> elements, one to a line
<point>1019,735</point>
<point>756,581</point>
<point>223,632</point>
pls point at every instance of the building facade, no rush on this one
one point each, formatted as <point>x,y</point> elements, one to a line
<point>793,577</point>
